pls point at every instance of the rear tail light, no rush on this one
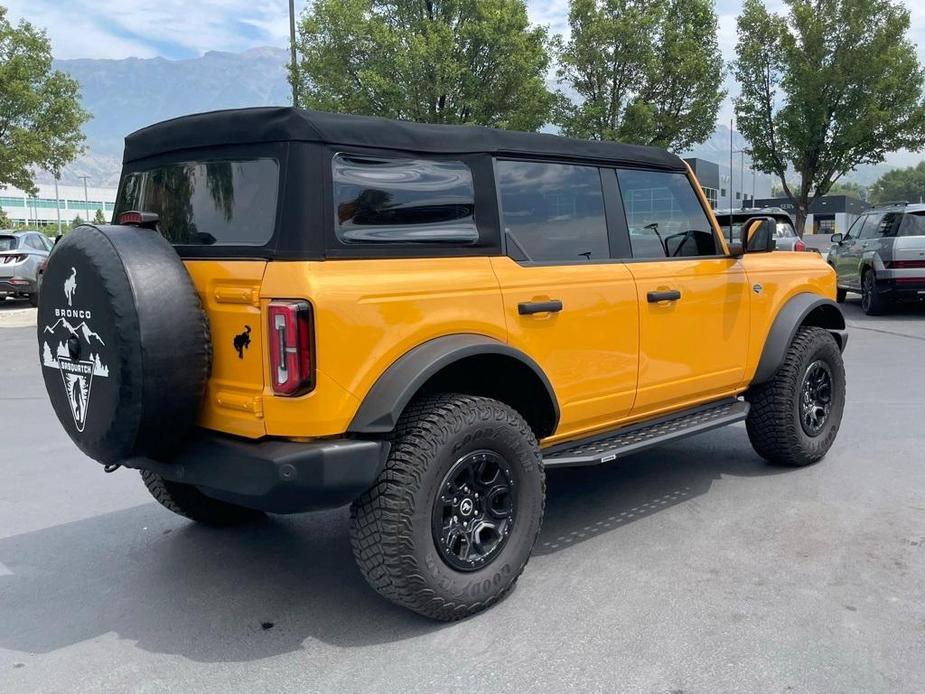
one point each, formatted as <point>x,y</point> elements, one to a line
<point>905,264</point>
<point>799,246</point>
<point>291,346</point>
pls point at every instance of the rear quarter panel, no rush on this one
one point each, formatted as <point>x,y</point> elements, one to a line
<point>368,313</point>
<point>775,278</point>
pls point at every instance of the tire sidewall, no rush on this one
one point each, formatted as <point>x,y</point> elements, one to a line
<point>522,454</point>
<point>824,348</point>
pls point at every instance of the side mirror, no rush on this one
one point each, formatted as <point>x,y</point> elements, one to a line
<point>837,238</point>
<point>758,235</point>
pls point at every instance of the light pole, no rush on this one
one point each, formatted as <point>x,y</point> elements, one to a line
<point>292,65</point>
<point>57,203</point>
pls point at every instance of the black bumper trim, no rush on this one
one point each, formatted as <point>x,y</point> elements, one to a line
<point>274,475</point>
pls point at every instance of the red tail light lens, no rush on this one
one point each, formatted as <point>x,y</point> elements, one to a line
<point>130,218</point>
<point>291,345</point>
<point>799,246</point>
<point>905,264</point>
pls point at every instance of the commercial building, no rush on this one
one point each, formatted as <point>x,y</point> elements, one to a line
<point>67,202</point>
<point>827,215</point>
<point>729,189</point>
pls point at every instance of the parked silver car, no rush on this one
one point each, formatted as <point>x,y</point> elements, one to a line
<point>21,255</point>
<point>786,237</point>
<point>882,256</point>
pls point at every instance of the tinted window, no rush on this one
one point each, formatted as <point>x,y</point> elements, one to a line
<point>664,215</point>
<point>403,201</point>
<point>8,243</point>
<point>35,242</point>
<point>912,225</point>
<point>855,227</point>
<point>872,226</point>
<point>553,212</point>
<point>222,202</point>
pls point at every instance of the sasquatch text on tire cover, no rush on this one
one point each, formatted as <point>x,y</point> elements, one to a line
<point>123,341</point>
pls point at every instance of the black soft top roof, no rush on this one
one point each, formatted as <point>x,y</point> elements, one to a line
<point>284,124</point>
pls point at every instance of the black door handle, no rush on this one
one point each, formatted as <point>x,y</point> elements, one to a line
<point>528,308</point>
<point>670,295</point>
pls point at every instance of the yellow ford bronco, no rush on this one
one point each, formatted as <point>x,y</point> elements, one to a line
<point>299,310</point>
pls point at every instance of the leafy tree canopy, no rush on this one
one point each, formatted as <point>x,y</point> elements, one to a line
<point>40,113</point>
<point>439,61</point>
<point>5,222</point>
<point>100,218</point>
<point>900,184</point>
<point>641,71</point>
<point>834,84</point>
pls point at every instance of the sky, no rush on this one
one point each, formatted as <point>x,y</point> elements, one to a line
<point>177,29</point>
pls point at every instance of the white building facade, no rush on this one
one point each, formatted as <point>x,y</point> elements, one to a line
<point>48,206</point>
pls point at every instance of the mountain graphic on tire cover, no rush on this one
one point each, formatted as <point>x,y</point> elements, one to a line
<point>123,342</point>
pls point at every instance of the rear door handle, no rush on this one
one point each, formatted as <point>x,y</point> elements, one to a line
<point>528,308</point>
<point>670,295</point>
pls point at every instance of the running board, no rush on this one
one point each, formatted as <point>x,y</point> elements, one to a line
<point>603,448</point>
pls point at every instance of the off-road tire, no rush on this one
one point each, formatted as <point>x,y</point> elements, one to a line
<point>840,295</point>
<point>872,302</point>
<point>773,423</point>
<point>391,530</point>
<point>187,501</point>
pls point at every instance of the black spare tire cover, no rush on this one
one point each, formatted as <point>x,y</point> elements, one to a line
<point>123,341</point>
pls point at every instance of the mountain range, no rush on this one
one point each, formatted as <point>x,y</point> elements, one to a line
<point>124,95</point>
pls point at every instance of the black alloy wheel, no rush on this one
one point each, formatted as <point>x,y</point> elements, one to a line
<point>475,510</point>
<point>816,397</point>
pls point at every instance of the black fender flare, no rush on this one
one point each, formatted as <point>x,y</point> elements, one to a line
<point>398,384</point>
<point>801,309</point>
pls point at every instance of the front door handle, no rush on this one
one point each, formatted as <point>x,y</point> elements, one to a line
<point>669,295</point>
<point>528,308</point>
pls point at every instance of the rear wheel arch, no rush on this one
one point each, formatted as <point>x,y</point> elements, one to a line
<point>803,310</point>
<point>466,363</point>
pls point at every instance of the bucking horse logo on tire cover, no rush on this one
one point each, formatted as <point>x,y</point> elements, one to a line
<point>63,345</point>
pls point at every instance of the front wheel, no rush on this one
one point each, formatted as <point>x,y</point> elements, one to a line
<point>795,416</point>
<point>449,524</point>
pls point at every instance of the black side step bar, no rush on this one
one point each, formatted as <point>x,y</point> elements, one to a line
<point>603,448</point>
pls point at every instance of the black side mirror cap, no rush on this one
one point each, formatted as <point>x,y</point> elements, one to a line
<point>837,237</point>
<point>760,238</point>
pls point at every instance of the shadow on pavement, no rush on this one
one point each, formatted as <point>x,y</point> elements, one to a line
<point>263,590</point>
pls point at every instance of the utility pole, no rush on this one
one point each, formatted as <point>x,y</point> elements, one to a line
<point>57,203</point>
<point>293,67</point>
<point>731,175</point>
<point>86,200</point>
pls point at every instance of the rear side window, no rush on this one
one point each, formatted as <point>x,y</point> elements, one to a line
<point>403,201</point>
<point>7,243</point>
<point>553,212</point>
<point>208,203</point>
<point>664,215</point>
<point>912,225</point>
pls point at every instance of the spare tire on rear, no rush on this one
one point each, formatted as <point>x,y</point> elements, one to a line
<point>123,341</point>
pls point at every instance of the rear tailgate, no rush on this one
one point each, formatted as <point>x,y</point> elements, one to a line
<point>230,291</point>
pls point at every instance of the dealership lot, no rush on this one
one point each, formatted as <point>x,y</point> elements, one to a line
<point>693,568</point>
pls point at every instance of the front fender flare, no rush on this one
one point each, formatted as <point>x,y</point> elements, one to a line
<point>821,311</point>
<point>398,384</point>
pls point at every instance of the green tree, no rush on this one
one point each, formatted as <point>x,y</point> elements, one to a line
<point>833,85</point>
<point>100,218</point>
<point>642,71</point>
<point>5,222</point>
<point>900,184</point>
<point>40,113</point>
<point>449,61</point>
<point>77,221</point>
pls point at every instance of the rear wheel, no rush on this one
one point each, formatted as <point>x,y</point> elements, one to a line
<point>795,416</point>
<point>187,501</point>
<point>872,303</point>
<point>451,521</point>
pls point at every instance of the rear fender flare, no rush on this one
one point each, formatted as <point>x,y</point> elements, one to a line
<point>399,383</point>
<point>802,309</point>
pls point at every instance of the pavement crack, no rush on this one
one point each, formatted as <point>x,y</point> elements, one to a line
<point>886,332</point>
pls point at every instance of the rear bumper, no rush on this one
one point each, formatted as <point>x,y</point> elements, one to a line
<point>16,285</point>
<point>903,287</point>
<point>274,475</point>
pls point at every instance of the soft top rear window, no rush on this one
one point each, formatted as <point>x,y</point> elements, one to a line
<point>216,202</point>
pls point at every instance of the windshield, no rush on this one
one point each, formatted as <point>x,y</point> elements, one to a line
<point>7,243</point>
<point>218,202</point>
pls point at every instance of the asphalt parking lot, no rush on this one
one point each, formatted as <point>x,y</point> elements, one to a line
<point>692,568</point>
